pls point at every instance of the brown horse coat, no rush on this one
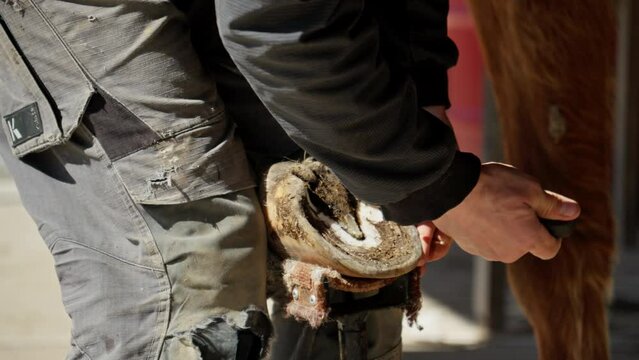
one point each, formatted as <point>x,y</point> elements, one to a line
<point>552,65</point>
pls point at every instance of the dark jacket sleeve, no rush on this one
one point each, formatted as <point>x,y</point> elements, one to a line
<point>318,68</point>
<point>415,34</point>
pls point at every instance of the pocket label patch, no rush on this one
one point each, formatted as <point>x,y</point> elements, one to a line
<point>24,124</point>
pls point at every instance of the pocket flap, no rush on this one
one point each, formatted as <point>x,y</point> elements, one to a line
<point>27,117</point>
<point>34,118</point>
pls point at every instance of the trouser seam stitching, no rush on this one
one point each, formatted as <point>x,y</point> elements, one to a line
<point>84,353</point>
<point>143,228</point>
<point>64,239</point>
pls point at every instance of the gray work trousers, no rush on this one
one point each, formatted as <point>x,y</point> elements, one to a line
<point>125,158</point>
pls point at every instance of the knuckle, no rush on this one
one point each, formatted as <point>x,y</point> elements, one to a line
<point>510,259</point>
<point>490,256</point>
<point>543,256</point>
<point>534,190</point>
<point>511,256</point>
<point>548,250</point>
<point>554,249</point>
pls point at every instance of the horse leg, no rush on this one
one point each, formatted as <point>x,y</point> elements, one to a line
<point>552,67</point>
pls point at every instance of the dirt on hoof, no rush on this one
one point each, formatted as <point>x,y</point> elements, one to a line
<point>315,218</point>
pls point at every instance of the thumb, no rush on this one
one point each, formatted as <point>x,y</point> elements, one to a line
<point>550,205</point>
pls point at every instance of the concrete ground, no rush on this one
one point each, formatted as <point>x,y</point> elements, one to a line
<point>33,324</point>
<point>449,282</point>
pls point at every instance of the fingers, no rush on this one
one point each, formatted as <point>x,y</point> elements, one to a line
<point>499,219</point>
<point>550,205</point>
<point>434,249</point>
<point>435,244</point>
<point>425,231</point>
<point>422,270</point>
<point>440,246</point>
<point>546,247</point>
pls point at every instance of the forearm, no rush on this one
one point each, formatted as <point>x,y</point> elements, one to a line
<point>318,68</point>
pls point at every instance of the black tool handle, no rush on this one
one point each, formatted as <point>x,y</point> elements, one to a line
<point>559,228</point>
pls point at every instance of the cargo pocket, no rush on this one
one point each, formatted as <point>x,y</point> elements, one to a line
<point>31,117</point>
<point>203,161</point>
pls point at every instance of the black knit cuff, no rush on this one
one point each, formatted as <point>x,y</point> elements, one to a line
<point>436,199</point>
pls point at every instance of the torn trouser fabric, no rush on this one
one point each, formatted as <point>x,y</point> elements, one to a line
<point>125,158</point>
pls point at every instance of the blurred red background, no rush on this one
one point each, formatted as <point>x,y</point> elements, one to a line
<point>466,80</point>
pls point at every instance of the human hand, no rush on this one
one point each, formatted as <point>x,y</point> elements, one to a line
<point>437,249</point>
<point>498,220</point>
<point>435,244</point>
